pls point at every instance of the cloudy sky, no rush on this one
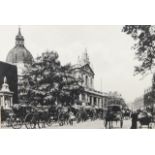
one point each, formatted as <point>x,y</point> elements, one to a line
<point>109,51</point>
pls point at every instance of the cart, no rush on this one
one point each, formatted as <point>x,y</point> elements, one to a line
<point>113,114</point>
<point>145,119</point>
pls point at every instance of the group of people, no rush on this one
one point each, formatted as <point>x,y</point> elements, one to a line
<point>69,114</point>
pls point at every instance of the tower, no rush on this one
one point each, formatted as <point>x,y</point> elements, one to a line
<point>85,57</point>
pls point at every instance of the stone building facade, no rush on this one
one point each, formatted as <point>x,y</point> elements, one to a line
<point>84,71</point>
<point>149,96</point>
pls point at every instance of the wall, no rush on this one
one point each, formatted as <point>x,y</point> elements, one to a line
<point>10,71</point>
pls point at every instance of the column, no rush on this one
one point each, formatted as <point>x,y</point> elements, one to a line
<point>3,102</point>
<point>80,97</point>
<point>92,98</point>
<point>99,103</point>
<point>96,101</point>
<point>102,102</point>
<point>11,103</point>
<point>86,98</point>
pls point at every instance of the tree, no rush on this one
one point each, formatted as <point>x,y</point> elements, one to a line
<point>69,87</point>
<point>23,85</point>
<point>48,81</point>
<point>144,36</point>
<point>43,78</point>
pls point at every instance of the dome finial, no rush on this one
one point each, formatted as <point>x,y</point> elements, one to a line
<point>19,38</point>
<point>19,30</point>
<point>5,79</point>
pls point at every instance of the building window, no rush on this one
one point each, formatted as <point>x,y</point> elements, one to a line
<point>91,80</point>
<point>86,81</point>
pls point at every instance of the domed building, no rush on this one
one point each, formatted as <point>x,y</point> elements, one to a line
<point>19,55</point>
<point>22,58</point>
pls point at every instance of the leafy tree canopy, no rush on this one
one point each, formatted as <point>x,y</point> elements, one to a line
<point>144,36</point>
<point>48,81</point>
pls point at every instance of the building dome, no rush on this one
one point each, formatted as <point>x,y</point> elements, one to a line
<point>19,54</point>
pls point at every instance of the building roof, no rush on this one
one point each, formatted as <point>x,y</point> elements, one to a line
<point>83,62</point>
<point>81,66</point>
<point>19,54</point>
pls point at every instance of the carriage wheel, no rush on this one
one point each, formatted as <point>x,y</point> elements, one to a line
<point>61,123</point>
<point>50,122</point>
<point>17,123</point>
<point>71,122</point>
<point>27,120</point>
<point>34,122</point>
<point>41,124</point>
<point>9,122</point>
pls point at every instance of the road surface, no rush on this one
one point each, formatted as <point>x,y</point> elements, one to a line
<point>97,124</point>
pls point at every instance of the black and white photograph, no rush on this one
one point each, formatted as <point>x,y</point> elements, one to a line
<point>77,76</point>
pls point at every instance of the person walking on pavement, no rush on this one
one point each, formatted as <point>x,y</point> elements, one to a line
<point>134,117</point>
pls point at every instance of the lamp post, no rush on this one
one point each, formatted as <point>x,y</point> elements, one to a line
<point>0,113</point>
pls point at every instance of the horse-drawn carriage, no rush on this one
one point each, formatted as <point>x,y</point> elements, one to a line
<point>145,119</point>
<point>14,116</point>
<point>28,115</point>
<point>39,116</point>
<point>127,114</point>
<point>113,113</point>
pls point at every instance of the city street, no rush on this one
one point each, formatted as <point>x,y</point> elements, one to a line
<point>97,124</point>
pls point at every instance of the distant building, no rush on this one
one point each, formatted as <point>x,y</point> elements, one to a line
<point>138,103</point>
<point>10,72</point>
<point>149,96</point>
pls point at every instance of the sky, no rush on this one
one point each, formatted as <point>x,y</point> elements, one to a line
<point>109,51</point>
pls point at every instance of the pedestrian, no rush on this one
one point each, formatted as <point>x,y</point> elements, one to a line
<point>71,117</point>
<point>134,117</point>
